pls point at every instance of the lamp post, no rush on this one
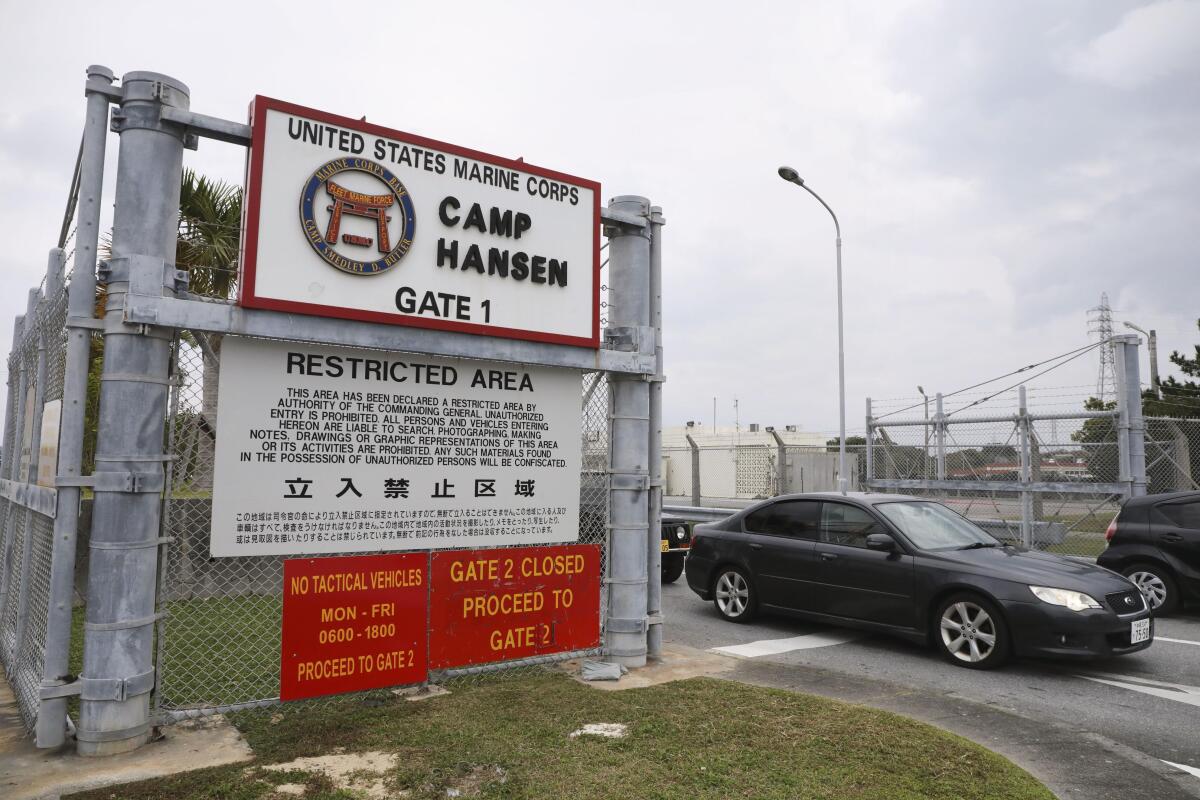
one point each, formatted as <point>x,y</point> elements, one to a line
<point>1152,338</point>
<point>925,457</point>
<point>790,175</point>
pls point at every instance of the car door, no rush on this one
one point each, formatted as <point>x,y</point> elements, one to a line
<point>1175,529</point>
<point>862,584</point>
<point>781,538</point>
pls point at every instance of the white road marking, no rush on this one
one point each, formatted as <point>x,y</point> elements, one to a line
<point>1182,767</point>
<point>773,647</point>
<point>1176,641</point>
<point>1179,692</point>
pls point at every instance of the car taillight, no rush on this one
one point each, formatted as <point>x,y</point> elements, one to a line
<point>1112,530</point>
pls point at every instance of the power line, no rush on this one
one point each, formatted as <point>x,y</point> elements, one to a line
<point>1079,351</point>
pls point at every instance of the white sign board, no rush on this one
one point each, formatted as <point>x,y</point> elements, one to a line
<point>48,448</point>
<point>329,450</point>
<point>348,219</point>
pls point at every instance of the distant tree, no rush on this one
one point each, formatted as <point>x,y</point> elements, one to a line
<point>1177,442</point>
<point>999,454</point>
<point>1098,438</point>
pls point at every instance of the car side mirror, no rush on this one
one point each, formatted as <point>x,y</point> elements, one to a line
<point>880,541</point>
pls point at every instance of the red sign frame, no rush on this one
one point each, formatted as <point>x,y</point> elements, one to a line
<point>510,603</point>
<point>352,623</point>
<point>248,297</point>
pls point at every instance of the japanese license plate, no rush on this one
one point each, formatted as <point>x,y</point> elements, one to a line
<point>665,545</point>
<point>1139,631</point>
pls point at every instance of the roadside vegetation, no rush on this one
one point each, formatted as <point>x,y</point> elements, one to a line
<point>509,737</point>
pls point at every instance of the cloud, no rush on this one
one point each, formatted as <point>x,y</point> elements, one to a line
<point>1149,44</point>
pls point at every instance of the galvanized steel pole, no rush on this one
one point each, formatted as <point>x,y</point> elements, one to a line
<point>1026,465</point>
<point>654,619</point>
<point>1132,391</point>
<point>118,659</point>
<point>81,300</point>
<point>629,524</point>
<point>940,434</point>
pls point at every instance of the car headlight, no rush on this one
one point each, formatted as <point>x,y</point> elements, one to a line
<point>1075,601</point>
<point>681,533</point>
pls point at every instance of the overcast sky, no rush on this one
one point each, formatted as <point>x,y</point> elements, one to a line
<point>995,166</point>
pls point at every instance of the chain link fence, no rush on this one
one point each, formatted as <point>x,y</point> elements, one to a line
<point>220,626</point>
<point>981,462</point>
<point>35,384</point>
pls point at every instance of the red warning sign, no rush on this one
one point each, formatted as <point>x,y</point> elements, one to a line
<point>353,623</point>
<point>499,605</point>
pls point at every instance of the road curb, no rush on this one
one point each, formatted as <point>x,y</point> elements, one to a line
<point>1074,764</point>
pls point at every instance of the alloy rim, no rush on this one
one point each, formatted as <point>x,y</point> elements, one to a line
<point>733,594</point>
<point>1152,586</point>
<point>968,632</point>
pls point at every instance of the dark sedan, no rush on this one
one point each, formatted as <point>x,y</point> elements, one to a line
<point>917,569</point>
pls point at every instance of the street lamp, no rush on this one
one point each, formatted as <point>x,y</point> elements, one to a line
<point>925,458</point>
<point>1152,337</point>
<point>790,175</point>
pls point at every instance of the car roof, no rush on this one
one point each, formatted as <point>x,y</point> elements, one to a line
<point>866,498</point>
<point>1159,498</point>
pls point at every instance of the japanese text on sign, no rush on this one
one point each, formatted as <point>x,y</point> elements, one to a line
<point>323,450</point>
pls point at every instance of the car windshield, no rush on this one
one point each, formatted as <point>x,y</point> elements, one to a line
<point>932,526</point>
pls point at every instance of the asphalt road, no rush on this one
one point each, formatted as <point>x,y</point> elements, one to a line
<point>1148,701</point>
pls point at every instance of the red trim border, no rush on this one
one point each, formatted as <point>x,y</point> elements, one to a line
<point>247,270</point>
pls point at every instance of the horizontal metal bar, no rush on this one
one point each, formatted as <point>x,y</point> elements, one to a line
<point>181,714</point>
<point>225,318</point>
<point>699,512</point>
<point>222,130</point>
<point>47,692</point>
<point>610,216</point>
<point>121,625</point>
<point>1013,418</point>
<point>39,499</point>
<point>1006,487</point>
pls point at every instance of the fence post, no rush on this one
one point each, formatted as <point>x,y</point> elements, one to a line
<point>629,320</point>
<point>81,301</point>
<point>118,658</point>
<point>1124,474</point>
<point>940,424</point>
<point>654,619</point>
<point>781,476</point>
<point>1026,469</point>
<point>695,448</point>
<point>1131,389</point>
<point>870,448</point>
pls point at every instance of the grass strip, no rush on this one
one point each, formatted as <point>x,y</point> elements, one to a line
<point>508,737</point>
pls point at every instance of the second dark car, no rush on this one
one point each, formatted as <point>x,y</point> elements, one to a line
<point>916,569</point>
<point>1155,542</point>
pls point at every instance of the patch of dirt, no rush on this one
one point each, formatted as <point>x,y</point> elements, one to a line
<point>364,773</point>
<point>474,778</point>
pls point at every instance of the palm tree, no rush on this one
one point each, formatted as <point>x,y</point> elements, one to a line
<point>210,216</point>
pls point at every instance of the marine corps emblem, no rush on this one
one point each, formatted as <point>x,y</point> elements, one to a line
<point>357,216</point>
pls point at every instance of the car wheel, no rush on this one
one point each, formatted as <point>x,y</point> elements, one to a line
<point>971,633</point>
<point>1157,586</point>
<point>672,568</point>
<point>733,595</point>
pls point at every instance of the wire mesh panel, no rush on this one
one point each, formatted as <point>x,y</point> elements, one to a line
<point>27,536</point>
<point>1046,473</point>
<point>220,636</point>
<point>1172,454</point>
